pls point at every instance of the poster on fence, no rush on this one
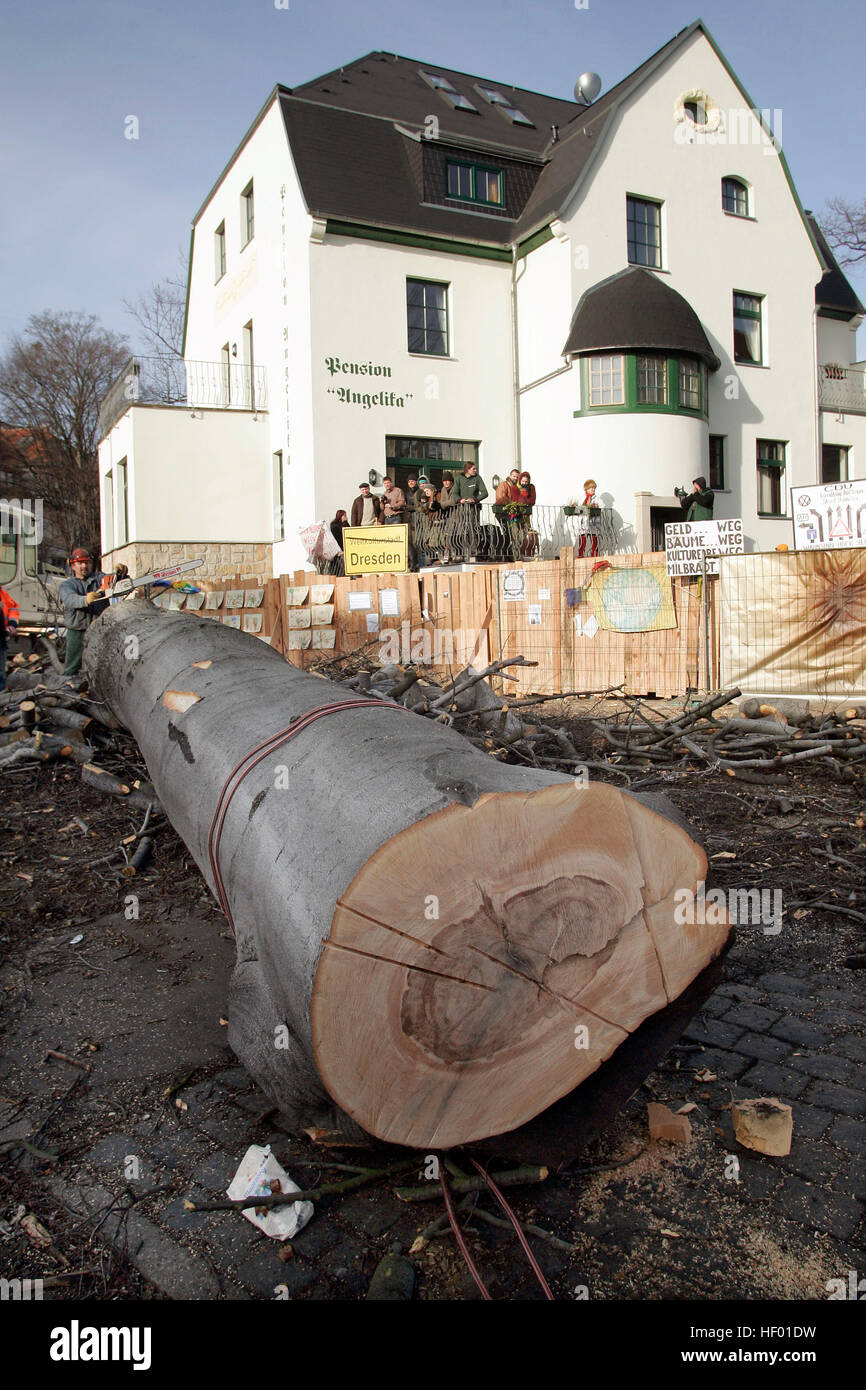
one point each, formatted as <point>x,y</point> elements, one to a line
<point>794,623</point>
<point>691,544</point>
<point>829,516</point>
<point>632,600</point>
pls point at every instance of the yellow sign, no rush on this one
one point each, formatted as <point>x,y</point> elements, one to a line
<point>376,549</point>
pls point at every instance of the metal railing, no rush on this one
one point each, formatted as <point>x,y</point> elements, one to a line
<point>465,533</point>
<point>175,381</point>
<point>842,388</point>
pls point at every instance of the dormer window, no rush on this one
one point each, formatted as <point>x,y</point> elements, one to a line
<point>504,105</point>
<point>476,183</point>
<point>440,83</point>
<point>447,90</point>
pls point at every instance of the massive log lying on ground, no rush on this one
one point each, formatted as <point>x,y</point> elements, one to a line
<point>428,942</point>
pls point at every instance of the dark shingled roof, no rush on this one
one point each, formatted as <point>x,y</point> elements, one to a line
<point>833,290</point>
<point>635,310</point>
<point>355,166</point>
<point>391,87</point>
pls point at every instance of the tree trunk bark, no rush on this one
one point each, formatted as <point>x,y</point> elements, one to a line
<point>432,947</point>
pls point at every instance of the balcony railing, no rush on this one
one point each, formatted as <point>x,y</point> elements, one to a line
<point>466,534</point>
<point>842,388</point>
<point>175,381</point>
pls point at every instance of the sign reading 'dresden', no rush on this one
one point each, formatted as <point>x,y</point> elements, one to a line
<point>687,543</point>
<point>829,516</point>
<point>376,549</point>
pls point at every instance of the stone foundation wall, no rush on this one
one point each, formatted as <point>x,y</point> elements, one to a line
<point>222,559</point>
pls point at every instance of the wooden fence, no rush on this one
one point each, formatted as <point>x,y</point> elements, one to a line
<point>445,620</point>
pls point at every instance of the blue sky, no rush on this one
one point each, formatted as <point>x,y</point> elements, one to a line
<point>90,217</point>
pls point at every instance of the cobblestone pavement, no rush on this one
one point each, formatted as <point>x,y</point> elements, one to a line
<point>678,1221</point>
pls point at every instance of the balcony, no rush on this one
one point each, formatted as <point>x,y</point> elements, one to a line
<point>842,389</point>
<point>175,381</point>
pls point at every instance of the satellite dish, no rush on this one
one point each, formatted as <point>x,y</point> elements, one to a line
<point>587,88</point>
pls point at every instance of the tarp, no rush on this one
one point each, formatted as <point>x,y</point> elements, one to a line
<point>794,623</point>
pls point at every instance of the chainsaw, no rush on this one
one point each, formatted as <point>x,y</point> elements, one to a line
<point>126,586</point>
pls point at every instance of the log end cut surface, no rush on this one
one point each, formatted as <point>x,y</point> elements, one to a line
<point>489,958</point>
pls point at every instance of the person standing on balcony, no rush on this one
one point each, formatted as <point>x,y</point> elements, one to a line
<point>365,508</point>
<point>697,505</point>
<point>525,491</point>
<point>469,493</point>
<point>592,514</point>
<point>394,503</point>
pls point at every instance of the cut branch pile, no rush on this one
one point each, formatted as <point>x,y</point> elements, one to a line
<point>760,745</point>
<point>45,718</point>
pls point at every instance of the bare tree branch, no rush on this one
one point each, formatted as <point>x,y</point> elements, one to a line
<point>844,226</point>
<point>52,380</point>
<point>160,312</point>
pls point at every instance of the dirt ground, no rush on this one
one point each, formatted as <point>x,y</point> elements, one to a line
<point>138,1004</point>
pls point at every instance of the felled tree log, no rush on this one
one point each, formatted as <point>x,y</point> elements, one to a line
<point>432,947</point>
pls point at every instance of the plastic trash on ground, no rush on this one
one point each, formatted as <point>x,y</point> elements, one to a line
<point>257,1171</point>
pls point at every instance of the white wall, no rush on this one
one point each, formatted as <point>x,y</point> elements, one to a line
<point>358,289</point>
<point>192,476</point>
<point>267,281</point>
<point>706,256</point>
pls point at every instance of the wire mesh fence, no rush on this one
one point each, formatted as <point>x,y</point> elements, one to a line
<point>794,623</point>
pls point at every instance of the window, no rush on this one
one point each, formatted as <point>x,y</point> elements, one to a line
<point>652,380</point>
<point>8,548</point>
<point>279,498</point>
<point>606,381</point>
<point>644,232</point>
<point>771,477</point>
<point>459,102</point>
<point>220,252</point>
<point>495,98</point>
<point>747,328</point>
<point>108,509</point>
<point>476,183</point>
<point>690,383</point>
<point>834,463</point>
<point>249,368</point>
<point>427,316</point>
<point>735,197</point>
<point>248,220</point>
<point>696,112</point>
<point>226,361</point>
<point>440,83</point>
<point>122,503</point>
<point>717,462</point>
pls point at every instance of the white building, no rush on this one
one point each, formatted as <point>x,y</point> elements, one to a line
<point>403,267</point>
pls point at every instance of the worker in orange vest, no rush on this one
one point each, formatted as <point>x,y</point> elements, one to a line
<point>9,618</point>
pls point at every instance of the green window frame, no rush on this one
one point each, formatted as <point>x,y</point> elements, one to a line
<point>771,460</point>
<point>486,183</point>
<point>652,380</point>
<point>644,232</point>
<point>748,329</point>
<point>427,317</point>
<point>642,382</point>
<point>689,383</point>
<point>219,252</point>
<point>606,380</point>
<point>248,215</point>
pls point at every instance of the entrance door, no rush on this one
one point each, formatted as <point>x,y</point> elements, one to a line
<point>659,517</point>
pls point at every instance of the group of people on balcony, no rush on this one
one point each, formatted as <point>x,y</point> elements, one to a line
<point>445,522</point>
